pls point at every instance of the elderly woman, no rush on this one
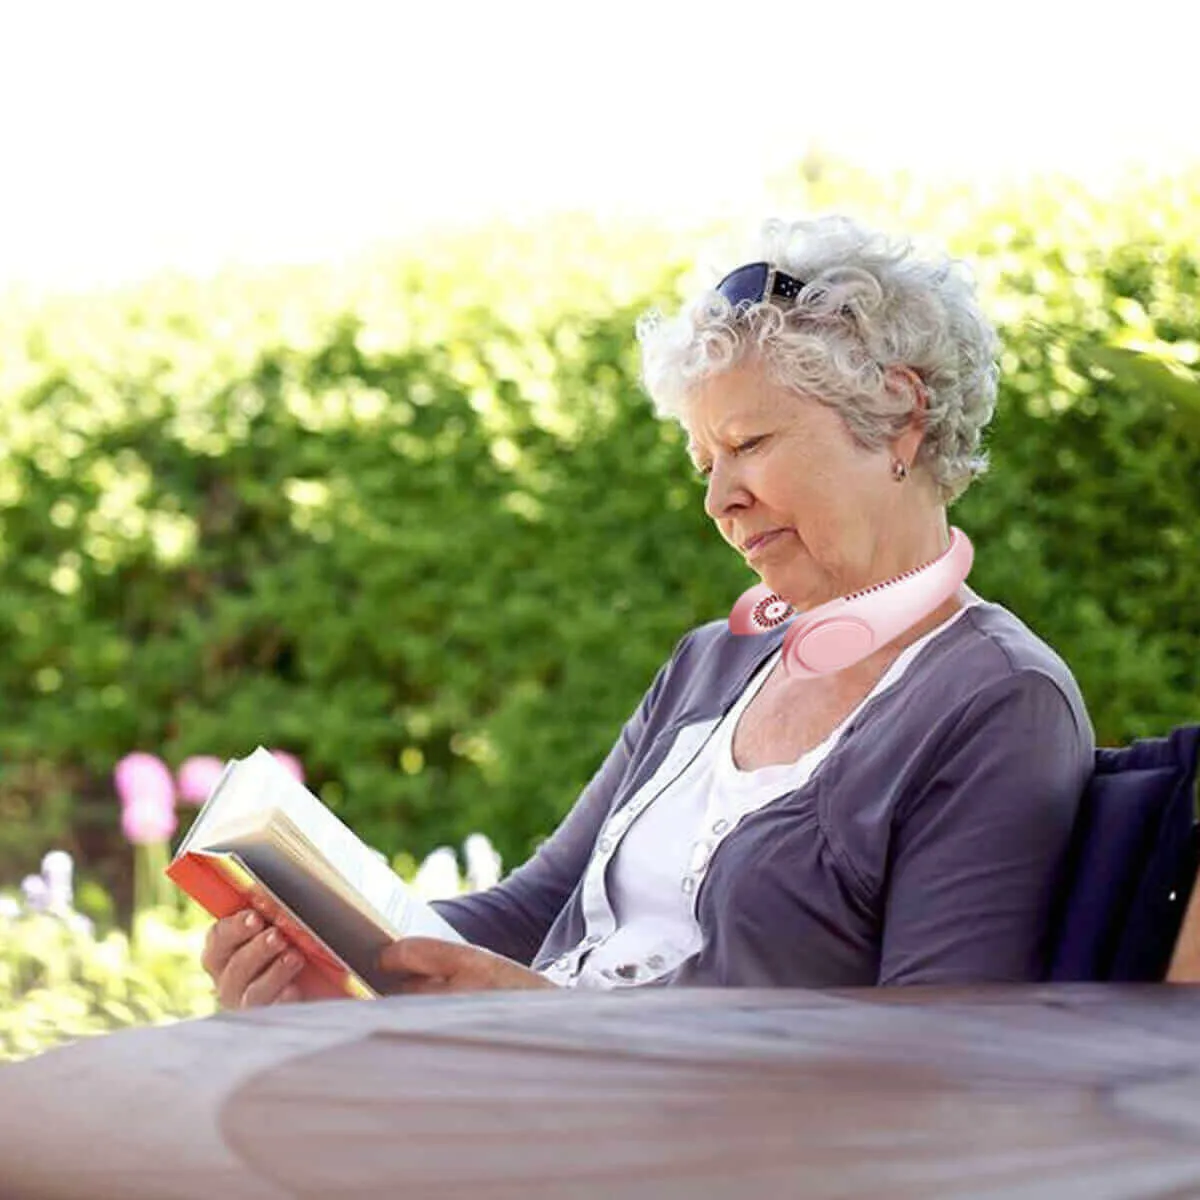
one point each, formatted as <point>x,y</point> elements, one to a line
<point>902,820</point>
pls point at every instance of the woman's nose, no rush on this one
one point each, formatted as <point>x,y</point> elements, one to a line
<point>724,493</point>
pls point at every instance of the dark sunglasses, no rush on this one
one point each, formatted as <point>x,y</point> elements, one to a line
<point>758,281</point>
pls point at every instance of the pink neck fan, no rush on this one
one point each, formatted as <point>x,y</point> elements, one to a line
<point>842,632</point>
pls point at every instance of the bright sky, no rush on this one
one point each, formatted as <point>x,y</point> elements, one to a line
<point>137,136</point>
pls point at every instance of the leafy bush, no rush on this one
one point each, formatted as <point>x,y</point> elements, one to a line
<point>420,527</point>
<point>60,979</point>
<point>58,983</point>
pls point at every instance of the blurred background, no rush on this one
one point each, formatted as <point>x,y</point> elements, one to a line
<point>319,417</point>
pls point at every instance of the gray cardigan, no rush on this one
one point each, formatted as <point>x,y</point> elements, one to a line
<point>925,849</point>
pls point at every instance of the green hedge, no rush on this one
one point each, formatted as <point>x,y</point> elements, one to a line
<point>58,984</point>
<point>418,525</point>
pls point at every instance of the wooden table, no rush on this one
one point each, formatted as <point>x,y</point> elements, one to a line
<point>1069,1092</point>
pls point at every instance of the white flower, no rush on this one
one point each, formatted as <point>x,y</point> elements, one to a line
<point>483,863</point>
<point>33,888</point>
<point>58,871</point>
<point>437,877</point>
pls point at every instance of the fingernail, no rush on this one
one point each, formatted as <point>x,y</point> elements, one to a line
<point>292,959</point>
<point>273,938</point>
<point>251,921</point>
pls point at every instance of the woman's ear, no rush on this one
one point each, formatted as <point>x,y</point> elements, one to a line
<point>904,382</point>
<point>911,394</point>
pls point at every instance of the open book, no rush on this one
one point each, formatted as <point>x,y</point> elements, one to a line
<point>264,841</point>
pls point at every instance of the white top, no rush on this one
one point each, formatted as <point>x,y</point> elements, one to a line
<point>639,889</point>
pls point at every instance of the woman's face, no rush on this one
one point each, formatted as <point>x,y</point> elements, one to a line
<point>779,463</point>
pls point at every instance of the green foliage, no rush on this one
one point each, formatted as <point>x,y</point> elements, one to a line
<point>419,526</point>
<point>58,983</point>
<point>405,562</point>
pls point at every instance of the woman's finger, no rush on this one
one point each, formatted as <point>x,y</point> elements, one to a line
<point>246,964</point>
<point>269,985</point>
<point>430,986</point>
<point>426,957</point>
<point>460,968</point>
<point>226,936</point>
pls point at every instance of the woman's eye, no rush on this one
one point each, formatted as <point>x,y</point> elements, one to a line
<point>705,470</point>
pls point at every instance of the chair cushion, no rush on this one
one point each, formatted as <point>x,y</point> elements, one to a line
<point>1132,862</point>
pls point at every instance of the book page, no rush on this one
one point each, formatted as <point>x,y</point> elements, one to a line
<point>216,809</point>
<point>314,834</point>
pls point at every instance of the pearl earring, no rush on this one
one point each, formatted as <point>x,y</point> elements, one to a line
<point>899,470</point>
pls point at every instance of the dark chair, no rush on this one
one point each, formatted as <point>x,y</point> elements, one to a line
<point>1133,861</point>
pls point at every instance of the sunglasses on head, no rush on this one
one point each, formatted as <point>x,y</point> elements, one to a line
<point>758,281</point>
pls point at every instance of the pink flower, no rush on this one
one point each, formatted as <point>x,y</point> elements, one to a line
<point>291,762</point>
<point>198,776</point>
<point>147,794</point>
<point>144,821</point>
<point>141,774</point>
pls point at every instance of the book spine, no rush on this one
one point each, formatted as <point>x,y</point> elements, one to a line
<point>221,889</point>
<point>208,886</point>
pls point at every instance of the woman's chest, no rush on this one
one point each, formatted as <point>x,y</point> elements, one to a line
<point>784,721</point>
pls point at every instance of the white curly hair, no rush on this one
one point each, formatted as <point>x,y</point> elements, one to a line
<point>868,304</point>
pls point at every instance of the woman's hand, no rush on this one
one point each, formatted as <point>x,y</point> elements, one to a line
<point>252,964</point>
<point>428,967</point>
